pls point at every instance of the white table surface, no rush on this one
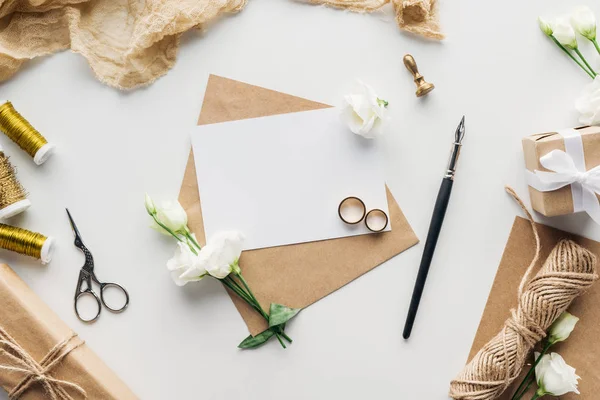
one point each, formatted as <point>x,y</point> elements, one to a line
<point>495,67</point>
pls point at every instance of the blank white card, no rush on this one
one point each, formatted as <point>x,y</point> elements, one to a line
<point>280,179</point>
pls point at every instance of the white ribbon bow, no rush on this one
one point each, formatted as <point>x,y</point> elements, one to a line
<point>584,184</point>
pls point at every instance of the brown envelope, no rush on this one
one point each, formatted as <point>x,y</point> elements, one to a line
<point>300,274</point>
<point>582,349</point>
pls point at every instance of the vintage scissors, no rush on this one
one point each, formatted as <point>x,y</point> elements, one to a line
<point>87,275</point>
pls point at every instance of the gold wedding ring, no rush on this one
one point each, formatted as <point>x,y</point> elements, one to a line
<point>352,210</point>
<point>376,220</point>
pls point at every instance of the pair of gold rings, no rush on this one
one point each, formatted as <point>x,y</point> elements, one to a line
<point>352,210</point>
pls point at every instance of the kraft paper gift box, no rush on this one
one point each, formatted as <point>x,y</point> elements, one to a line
<point>27,322</point>
<point>582,145</point>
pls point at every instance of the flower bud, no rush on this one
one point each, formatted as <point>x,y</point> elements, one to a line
<point>564,33</point>
<point>545,26</point>
<point>172,216</point>
<point>584,22</point>
<point>561,328</point>
<point>150,207</point>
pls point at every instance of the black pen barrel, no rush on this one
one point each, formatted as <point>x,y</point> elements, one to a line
<point>437,219</point>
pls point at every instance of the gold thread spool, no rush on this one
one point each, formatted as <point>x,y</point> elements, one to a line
<point>26,242</point>
<point>20,131</point>
<point>13,197</point>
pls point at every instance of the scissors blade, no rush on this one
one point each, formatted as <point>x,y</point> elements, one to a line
<point>74,227</point>
<point>89,260</point>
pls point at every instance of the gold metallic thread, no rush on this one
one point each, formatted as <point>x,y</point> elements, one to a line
<point>19,130</point>
<point>11,190</point>
<point>21,241</point>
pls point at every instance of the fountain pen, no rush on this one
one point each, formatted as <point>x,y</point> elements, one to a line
<point>437,219</point>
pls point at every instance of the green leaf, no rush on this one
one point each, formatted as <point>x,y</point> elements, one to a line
<point>280,314</point>
<point>252,342</point>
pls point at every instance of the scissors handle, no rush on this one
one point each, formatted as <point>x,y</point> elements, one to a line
<point>103,286</point>
<point>87,292</point>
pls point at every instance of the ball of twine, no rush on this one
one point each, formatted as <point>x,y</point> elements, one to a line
<point>569,271</point>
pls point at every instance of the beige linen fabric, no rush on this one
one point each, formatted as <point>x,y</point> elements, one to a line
<point>130,43</point>
<point>127,43</point>
<point>416,16</point>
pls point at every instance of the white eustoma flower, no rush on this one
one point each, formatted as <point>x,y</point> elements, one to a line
<point>222,253</point>
<point>545,26</point>
<point>364,112</point>
<point>564,33</point>
<point>588,104</point>
<point>150,207</point>
<point>561,328</point>
<point>185,266</point>
<point>172,215</point>
<point>584,22</point>
<point>554,376</point>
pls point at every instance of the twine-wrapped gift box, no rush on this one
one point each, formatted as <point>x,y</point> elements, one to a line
<point>560,171</point>
<point>41,357</point>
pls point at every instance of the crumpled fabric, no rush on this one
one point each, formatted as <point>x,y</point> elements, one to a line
<point>128,43</point>
<point>416,16</point>
<point>131,43</point>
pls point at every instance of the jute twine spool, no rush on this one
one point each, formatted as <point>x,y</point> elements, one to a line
<point>568,272</point>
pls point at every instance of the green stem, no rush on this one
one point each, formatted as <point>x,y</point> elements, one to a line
<point>166,229</point>
<point>535,396</point>
<point>229,279</point>
<point>520,392</point>
<point>567,52</point>
<point>234,286</point>
<point>244,296</point>
<point>285,336</point>
<point>264,314</point>
<point>280,341</point>
<point>585,61</point>
<point>190,237</point>
<point>596,45</point>
<point>258,307</point>
<point>531,380</point>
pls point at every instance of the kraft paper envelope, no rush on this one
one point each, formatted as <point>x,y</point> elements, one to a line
<point>296,275</point>
<point>582,349</point>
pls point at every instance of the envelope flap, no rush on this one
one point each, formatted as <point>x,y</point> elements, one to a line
<point>229,100</point>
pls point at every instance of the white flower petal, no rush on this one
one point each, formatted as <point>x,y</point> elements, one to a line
<point>554,376</point>
<point>362,111</point>
<point>564,33</point>
<point>588,104</point>
<point>227,247</point>
<point>172,215</point>
<point>178,281</point>
<point>584,22</point>
<point>545,26</point>
<point>350,118</point>
<point>181,259</point>
<point>219,271</point>
<point>561,328</point>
